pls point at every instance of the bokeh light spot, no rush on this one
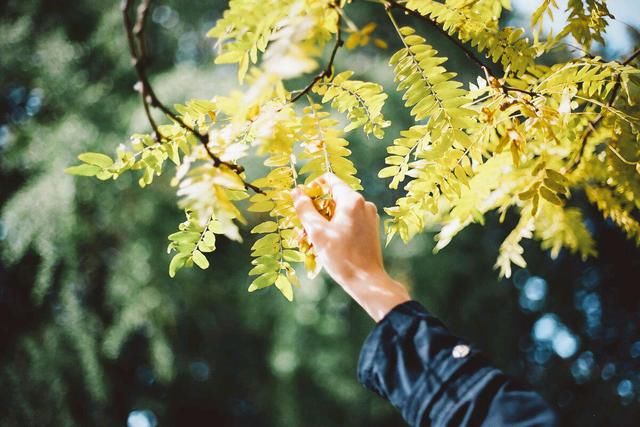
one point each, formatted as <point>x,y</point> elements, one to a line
<point>142,418</point>
<point>545,327</point>
<point>564,343</point>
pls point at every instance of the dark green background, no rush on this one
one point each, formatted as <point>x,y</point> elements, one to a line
<point>92,328</point>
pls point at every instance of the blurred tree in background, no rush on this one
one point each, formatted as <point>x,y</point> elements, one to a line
<point>94,332</point>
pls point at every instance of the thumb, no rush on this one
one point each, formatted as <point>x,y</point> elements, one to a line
<point>312,220</point>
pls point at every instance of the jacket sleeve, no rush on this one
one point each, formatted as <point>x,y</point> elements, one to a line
<point>436,379</point>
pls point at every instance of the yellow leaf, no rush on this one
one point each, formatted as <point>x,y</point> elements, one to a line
<point>388,171</point>
<point>265,206</point>
<point>265,227</point>
<point>380,43</point>
<point>550,196</point>
<point>283,284</point>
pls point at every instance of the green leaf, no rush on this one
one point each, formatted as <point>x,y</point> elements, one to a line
<point>293,256</point>
<point>260,269</point>
<point>83,170</point>
<point>200,260</point>
<point>97,159</point>
<point>104,175</point>
<point>177,262</point>
<point>204,247</point>
<point>216,226</point>
<point>550,196</point>
<point>557,177</point>
<point>184,236</point>
<point>263,281</point>
<point>209,238</point>
<point>267,241</point>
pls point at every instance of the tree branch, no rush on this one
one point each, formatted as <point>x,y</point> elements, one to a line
<point>458,43</point>
<point>137,50</point>
<point>593,124</point>
<point>328,70</point>
<point>631,58</point>
<point>433,24</point>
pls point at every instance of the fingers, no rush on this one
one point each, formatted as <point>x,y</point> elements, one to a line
<point>339,189</point>
<point>371,208</point>
<point>312,221</point>
<point>348,201</point>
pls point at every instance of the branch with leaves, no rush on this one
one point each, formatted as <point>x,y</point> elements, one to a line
<point>139,59</point>
<point>491,76</point>
<point>328,70</point>
<point>593,124</point>
<point>508,142</point>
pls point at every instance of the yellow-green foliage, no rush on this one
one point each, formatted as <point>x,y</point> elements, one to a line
<point>324,148</point>
<point>477,23</point>
<point>192,241</point>
<point>362,101</point>
<point>587,21</point>
<point>440,148</point>
<point>522,141</point>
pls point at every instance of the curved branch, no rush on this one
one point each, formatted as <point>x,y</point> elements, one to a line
<point>328,70</point>
<point>137,50</point>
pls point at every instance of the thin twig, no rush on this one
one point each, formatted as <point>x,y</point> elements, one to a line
<point>137,50</point>
<point>515,89</point>
<point>328,70</point>
<point>631,58</point>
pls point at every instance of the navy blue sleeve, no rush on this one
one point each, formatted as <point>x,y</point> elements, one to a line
<point>436,379</point>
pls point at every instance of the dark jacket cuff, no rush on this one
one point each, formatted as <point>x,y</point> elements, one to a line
<point>435,378</point>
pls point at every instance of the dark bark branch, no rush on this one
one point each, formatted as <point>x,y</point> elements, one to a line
<point>137,50</point>
<point>631,58</point>
<point>328,70</point>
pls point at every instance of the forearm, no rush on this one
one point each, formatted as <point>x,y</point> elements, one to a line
<point>435,378</point>
<point>376,292</point>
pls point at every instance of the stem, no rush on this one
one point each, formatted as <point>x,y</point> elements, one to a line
<point>621,157</point>
<point>355,94</point>
<point>420,69</point>
<point>327,162</point>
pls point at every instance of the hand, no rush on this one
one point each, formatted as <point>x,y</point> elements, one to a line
<point>348,246</point>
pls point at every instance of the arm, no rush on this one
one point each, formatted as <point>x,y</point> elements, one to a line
<point>410,358</point>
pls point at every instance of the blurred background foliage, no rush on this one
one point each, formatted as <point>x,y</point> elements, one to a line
<point>93,331</point>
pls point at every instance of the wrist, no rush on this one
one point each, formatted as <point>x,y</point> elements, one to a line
<point>377,293</point>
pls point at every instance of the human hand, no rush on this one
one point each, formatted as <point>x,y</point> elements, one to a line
<point>348,246</point>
